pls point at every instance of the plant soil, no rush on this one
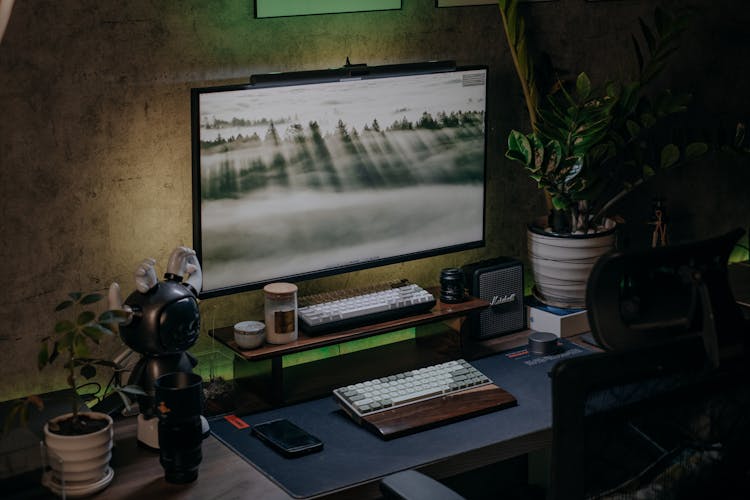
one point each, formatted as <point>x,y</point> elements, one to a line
<point>79,426</point>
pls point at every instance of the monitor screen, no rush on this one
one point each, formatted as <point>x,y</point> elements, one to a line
<point>304,177</point>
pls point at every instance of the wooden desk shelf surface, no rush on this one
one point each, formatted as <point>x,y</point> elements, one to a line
<point>441,312</point>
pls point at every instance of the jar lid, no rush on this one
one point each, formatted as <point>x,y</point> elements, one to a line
<point>249,327</point>
<point>280,289</point>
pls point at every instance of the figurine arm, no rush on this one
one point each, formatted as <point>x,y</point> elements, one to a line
<point>114,299</point>
<point>145,276</point>
<point>182,262</point>
<point>195,273</point>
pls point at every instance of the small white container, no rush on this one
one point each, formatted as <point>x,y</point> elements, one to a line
<point>249,334</point>
<point>281,312</point>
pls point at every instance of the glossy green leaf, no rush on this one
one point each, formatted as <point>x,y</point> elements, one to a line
<point>518,143</point>
<point>648,171</point>
<point>537,150</point>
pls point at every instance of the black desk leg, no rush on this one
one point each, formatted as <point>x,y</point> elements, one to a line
<point>277,380</point>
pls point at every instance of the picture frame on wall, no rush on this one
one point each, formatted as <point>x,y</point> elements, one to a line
<point>467,3</point>
<point>285,8</point>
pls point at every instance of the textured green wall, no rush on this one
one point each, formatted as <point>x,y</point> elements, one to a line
<point>95,166</point>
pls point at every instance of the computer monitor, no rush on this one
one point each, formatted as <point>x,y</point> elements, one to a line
<point>302,175</point>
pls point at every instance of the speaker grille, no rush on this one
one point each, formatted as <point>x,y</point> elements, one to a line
<point>502,287</point>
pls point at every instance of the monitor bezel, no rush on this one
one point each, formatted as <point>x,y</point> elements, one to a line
<point>322,76</point>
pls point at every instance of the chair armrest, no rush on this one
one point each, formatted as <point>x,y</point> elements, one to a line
<point>413,485</point>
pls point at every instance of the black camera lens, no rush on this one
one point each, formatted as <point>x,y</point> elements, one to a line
<point>180,449</point>
<point>451,285</point>
<point>178,404</point>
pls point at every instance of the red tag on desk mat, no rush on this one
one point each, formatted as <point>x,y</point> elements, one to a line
<point>237,421</point>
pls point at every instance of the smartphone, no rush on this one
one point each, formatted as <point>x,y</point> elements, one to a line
<point>287,438</point>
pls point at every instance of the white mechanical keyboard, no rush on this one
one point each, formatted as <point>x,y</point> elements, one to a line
<point>402,389</point>
<point>329,312</point>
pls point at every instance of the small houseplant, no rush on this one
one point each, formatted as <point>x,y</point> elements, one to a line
<point>588,147</point>
<point>79,443</point>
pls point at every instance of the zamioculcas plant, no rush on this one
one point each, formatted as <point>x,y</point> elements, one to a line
<point>589,146</point>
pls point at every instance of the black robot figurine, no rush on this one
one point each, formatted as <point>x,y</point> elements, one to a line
<point>163,322</point>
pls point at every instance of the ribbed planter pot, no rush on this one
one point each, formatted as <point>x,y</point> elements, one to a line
<point>561,264</point>
<point>79,464</point>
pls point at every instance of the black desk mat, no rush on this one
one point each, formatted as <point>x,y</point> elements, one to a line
<point>352,455</point>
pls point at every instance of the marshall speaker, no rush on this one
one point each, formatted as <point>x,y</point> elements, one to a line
<point>499,281</point>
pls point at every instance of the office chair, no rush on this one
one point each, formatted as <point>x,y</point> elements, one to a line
<point>664,412</point>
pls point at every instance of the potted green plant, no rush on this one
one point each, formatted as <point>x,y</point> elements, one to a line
<point>79,443</point>
<point>588,147</point>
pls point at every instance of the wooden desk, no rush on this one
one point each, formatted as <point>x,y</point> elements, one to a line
<point>224,474</point>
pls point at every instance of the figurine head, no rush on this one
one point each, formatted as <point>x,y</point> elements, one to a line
<point>165,319</point>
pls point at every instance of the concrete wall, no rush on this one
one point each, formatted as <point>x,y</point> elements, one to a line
<point>95,160</point>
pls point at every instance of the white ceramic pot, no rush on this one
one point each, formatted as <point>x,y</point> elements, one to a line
<point>80,463</point>
<point>561,264</point>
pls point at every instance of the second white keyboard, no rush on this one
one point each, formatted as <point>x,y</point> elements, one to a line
<point>393,301</point>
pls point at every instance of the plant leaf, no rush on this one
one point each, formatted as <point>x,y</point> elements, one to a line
<point>85,317</point>
<point>518,143</point>
<point>75,295</point>
<point>647,35</point>
<point>669,155</point>
<point>64,326</point>
<point>43,356</point>
<point>64,305</point>
<point>91,298</point>
<point>113,316</point>
<point>80,347</point>
<point>633,128</point>
<point>648,171</point>
<point>94,332</point>
<point>583,86</point>
<point>638,54</point>
<point>55,353</point>
<point>695,150</point>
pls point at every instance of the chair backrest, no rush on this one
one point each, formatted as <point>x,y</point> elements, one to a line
<point>659,413</point>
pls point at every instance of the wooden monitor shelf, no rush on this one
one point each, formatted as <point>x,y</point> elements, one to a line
<point>440,312</point>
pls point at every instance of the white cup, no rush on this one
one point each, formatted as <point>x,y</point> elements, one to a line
<point>249,334</point>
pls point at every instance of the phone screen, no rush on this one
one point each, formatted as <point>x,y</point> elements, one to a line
<point>286,437</point>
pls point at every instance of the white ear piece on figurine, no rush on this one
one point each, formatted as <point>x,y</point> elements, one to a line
<point>145,275</point>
